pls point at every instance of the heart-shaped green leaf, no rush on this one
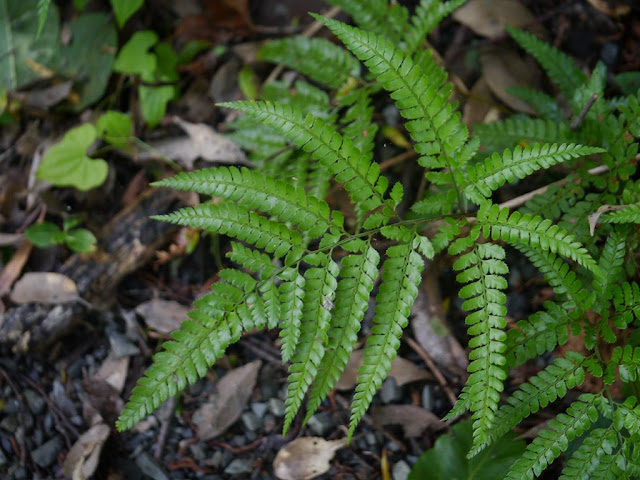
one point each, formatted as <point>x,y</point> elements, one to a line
<point>123,9</point>
<point>115,128</point>
<point>66,164</point>
<point>134,57</point>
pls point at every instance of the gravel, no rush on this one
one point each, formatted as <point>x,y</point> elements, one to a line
<point>47,453</point>
<point>390,391</point>
<point>238,466</point>
<point>400,470</point>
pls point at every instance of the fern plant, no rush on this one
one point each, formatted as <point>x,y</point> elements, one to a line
<point>302,269</point>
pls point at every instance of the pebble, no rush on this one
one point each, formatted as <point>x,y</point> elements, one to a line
<point>427,398</point>
<point>269,422</point>
<point>390,391</point>
<point>196,451</point>
<point>10,423</point>
<point>276,406</point>
<point>121,345</point>
<point>238,466</point>
<point>149,467</point>
<point>259,408</point>
<point>216,459</point>
<point>251,421</point>
<point>400,470</point>
<point>35,401</point>
<point>321,424</point>
<point>47,453</point>
<point>609,53</point>
<point>3,458</point>
<point>370,438</point>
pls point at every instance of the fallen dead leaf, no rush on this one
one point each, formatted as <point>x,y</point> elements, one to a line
<point>488,17</point>
<point>163,316</point>
<point>114,371</point>
<point>11,239</point>
<point>613,8</point>
<point>594,217</point>
<point>82,460</point>
<point>402,370</point>
<point>12,269</point>
<point>503,68</point>
<point>413,420</point>
<point>202,142</point>
<point>306,458</point>
<point>480,106</point>
<point>48,97</point>
<point>225,407</point>
<point>45,287</point>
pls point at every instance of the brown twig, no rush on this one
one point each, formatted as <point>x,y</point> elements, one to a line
<point>434,369</point>
<point>398,159</point>
<point>583,113</point>
<point>253,344</point>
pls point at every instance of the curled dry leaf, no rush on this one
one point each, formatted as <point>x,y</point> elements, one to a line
<point>163,316</point>
<point>503,68</point>
<point>594,217</point>
<point>12,269</point>
<point>225,407</point>
<point>480,106</point>
<point>82,460</point>
<point>114,371</point>
<point>612,8</point>
<point>402,370</point>
<point>45,287</point>
<point>306,458</point>
<point>488,17</point>
<point>413,420</point>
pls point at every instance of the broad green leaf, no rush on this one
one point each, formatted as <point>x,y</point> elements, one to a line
<point>166,65</point>
<point>80,240</point>
<point>134,57</point>
<point>43,8</point>
<point>447,460</point>
<point>153,102</point>
<point>629,82</point>
<point>22,51</point>
<point>66,164</point>
<point>44,234</point>
<point>89,57</point>
<point>115,128</point>
<point>80,4</point>
<point>248,82</point>
<point>123,9</point>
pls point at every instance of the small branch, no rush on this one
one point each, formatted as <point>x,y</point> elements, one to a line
<point>434,369</point>
<point>398,159</point>
<point>580,118</point>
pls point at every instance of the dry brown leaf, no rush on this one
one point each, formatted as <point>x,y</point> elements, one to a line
<point>225,407</point>
<point>163,316</point>
<point>11,239</point>
<point>488,17</point>
<point>12,269</point>
<point>114,371</point>
<point>306,458</point>
<point>503,68</point>
<point>613,8</point>
<point>402,370</point>
<point>594,217</point>
<point>202,142</point>
<point>48,97</point>
<point>82,460</point>
<point>45,287</point>
<point>413,420</point>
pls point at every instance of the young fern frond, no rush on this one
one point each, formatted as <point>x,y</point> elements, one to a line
<point>554,440</point>
<point>317,58</point>
<point>626,214</point>
<point>542,389</point>
<point>519,130</point>
<point>427,16</point>
<point>496,170</point>
<point>393,306</point>
<point>626,303</point>
<point>561,69</point>
<point>358,273</point>
<point>587,459</point>
<point>388,18</point>
<point>481,271</point>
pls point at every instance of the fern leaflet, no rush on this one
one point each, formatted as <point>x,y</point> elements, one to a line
<point>599,444</point>
<point>519,130</point>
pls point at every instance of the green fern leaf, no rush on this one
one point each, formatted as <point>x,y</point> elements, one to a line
<point>630,364</point>
<point>427,16</point>
<point>461,406</point>
<point>317,58</point>
<point>320,287</point>
<point>519,130</point>
<point>481,272</point>
<point>357,120</point>
<point>496,170</point>
<point>389,18</point>
<point>271,299</point>
<point>546,106</point>
<point>600,443</point>
<point>631,113</point>
<point>394,301</point>
<point>542,389</point>
<point>555,201</point>
<point>338,154</point>
<point>358,274</point>
<point>554,440</point>
<point>543,234</point>
<point>626,214</point>
<point>626,303</point>
<point>252,260</point>
<point>611,264</point>
<point>237,222</point>
<point>292,295</point>
<point>256,191</point>
<point>560,68</point>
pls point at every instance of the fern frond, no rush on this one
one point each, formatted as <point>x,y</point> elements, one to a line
<point>319,290</point>
<point>496,170</point>
<point>292,293</point>
<point>427,16</point>
<point>338,154</point>
<point>421,96</point>
<point>252,260</point>
<point>626,303</point>
<point>256,191</point>
<point>398,290</point>
<point>515,227</point>
<point>559,67</point>
<point>358,274</point>
<point>627,214</point>
<point>482,270</point>
<point>301,95</point>
<point>317,58</point>
<point>631,113</point>
<point>599,444</point>
<point>630,364</point>
<point>357,120</point>
<point>546,106</point>
<point>259,140</point>
<point>520,130</point>
<point>554,440</point>
<point>541,332</point>
<point>611,265</point>
<point>555,201</point>
<point>542,389</point>
<point>388,18</point>
<point>575,220</point>
<point>198,343</point>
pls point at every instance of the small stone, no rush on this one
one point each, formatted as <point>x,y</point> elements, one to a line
<point>259,408</point>
<point>149,467</point>
<point>400,470</point>
<point>77,420</point>
<point>251,421</point>
<point>427,397</point>
<point>196,451</point>
<point>238,441</point>
<point>3,458</point>
<point>390,391</point>
<point>276,406</point>
<point>370,438</point>
<point>10,423</point>
<point>21,474</point>
<point>609,53</point>
<point>321,424</point>
<point>238,466</point>
<point>35,401</point>
<point>121,345</point>
<point>47,453</point>
<point>216,459</point>
<point>393,446</point>
<point>269,422</point>
<point>251,436</point>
